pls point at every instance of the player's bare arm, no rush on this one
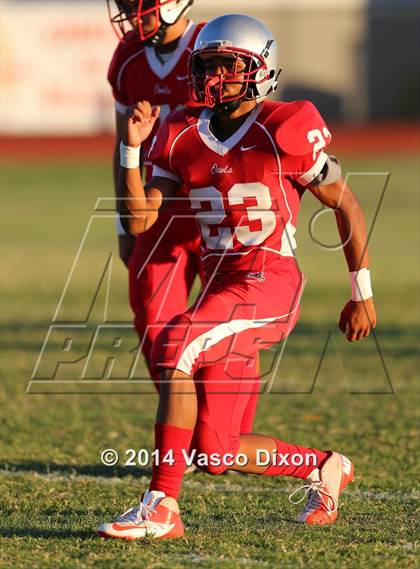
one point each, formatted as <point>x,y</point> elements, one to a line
<point>125,240</point>
<point>141,203</point>
<point>357,318</point>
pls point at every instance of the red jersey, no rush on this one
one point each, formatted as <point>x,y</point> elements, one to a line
<point>246,190</point>
<point>136,73</point>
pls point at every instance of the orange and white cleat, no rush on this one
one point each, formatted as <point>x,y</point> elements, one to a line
<point>157,516</point>
<point>323,490</point>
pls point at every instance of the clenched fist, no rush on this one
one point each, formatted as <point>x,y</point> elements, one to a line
<point>139,123</point>
<point>357,319</point>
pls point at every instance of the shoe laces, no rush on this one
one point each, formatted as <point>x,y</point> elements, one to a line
<point>137,515</point>
<point>318,496</point>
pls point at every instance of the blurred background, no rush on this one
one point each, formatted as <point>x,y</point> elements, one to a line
<point>357,60</point>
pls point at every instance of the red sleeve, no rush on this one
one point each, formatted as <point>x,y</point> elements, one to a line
<point>160,153</point>
<point>127,47</point>
<point>303,138</point>
<point>113,74</point>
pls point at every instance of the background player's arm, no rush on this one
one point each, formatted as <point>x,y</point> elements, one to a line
<point>125,241</point>
<point>142,203</point>
<point>357,318</point>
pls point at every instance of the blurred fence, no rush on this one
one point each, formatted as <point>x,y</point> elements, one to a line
<point>356,59</point>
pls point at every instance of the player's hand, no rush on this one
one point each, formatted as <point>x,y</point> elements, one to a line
<point>357,319</point>
<point>139,123</point>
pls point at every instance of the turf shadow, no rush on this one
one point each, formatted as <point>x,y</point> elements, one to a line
<point>44,533</point>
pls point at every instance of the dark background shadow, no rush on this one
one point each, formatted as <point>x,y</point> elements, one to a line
<point>388,64</point>
<point>393,59</point>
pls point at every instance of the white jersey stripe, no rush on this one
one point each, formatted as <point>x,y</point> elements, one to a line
<point>162,70</point>
<point>176,140</point>
<point>288,243</point>
<point>161,173</point>
<point>120,108</point>
<point>215,335</point>
<point>124,65</point>
<point>225,146</point>
<point>313,172</point>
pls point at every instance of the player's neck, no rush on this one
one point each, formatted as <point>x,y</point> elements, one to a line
<point>224,126</point>
<point>172,36</point>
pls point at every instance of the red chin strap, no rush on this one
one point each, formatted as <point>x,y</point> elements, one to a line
<point>210,82</point>
<point>219,81</point>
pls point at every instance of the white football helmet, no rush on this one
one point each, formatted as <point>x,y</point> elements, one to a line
<point>127,14</point>
<point>166,12</point>
<point>249,41</point>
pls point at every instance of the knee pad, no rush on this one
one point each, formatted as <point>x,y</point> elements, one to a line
<point>169,344</point>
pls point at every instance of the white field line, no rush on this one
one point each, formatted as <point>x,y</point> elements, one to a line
<point>198,558</point>
<point>207,485</point>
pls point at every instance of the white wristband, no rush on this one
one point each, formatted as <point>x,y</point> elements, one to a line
<point>120,227</point>
<point>361,288</point>
<point>129,156</point>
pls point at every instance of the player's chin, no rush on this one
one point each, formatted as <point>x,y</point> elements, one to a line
<point>148,28</point>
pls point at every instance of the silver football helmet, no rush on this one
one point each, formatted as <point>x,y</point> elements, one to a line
<point>248,41</point>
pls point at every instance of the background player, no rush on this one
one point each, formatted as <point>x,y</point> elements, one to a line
<point>150,63</point>
<point>267,153</point>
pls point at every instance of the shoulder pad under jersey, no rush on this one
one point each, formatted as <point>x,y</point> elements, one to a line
<point>173,125</point>
<point>127,46</point>
<point>297,126</point>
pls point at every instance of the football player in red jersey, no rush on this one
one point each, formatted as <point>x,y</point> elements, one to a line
<point>150,63</point>
<point>243,164</point>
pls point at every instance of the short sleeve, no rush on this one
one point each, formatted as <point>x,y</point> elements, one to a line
<point>160,152</point>
<point>330,173</point>
<point>114,79</point>
<point>304,169</point>
<point>303,139</point>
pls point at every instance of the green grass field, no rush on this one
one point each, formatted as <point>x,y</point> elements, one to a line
<point>364,401</point>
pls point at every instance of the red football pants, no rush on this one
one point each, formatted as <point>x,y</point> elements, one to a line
<point>227,326</point>
<point>162,270</point>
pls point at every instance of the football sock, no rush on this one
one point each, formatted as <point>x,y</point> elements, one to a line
<point>294,460</point>
<point>247,423</point>
<point>170,442</point>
